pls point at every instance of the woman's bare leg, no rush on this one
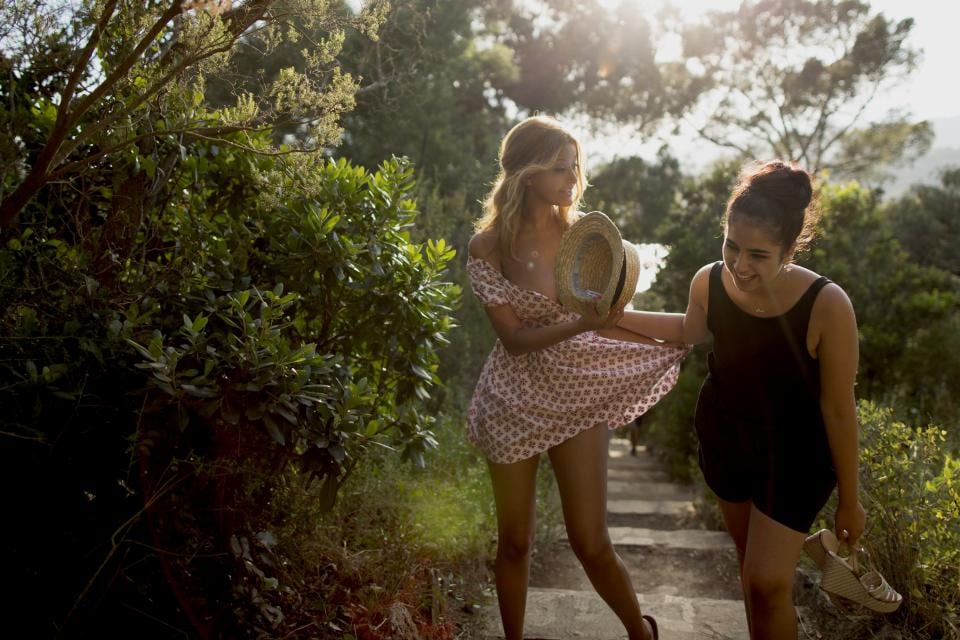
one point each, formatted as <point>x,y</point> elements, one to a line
<point>580,465</point>
<point>736,515</point>
<point>514,491</point>
<point>768,574</point>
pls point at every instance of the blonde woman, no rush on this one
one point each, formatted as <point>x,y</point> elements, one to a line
<point>555,381</point>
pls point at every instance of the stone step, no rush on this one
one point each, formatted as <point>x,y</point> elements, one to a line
<point>694,539</point>
<point>639,463</point>
<point>564,614</point>
<point>621,446</point>
<point>648,490</point>
<point>685,577</point>
<point>620,449</point>
<point>658,521</point>
<point>637,475</point>
<point>682,508</point>
<point>696,573</point>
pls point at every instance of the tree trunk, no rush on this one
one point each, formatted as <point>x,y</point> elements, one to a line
<point>13,204</point>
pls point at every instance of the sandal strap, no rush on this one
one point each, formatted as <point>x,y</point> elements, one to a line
<point>878,587</point>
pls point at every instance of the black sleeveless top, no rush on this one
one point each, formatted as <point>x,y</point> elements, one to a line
<point>760,366</point>
<point>758,420</point>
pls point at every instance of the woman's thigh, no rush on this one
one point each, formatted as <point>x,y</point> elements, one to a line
<point>736,516</point>
<point>773,550</point>
<point>580,466</point>
<point>514,492</point>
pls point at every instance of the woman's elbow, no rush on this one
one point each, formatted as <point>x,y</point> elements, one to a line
<point>692,339</point>
<point>513,347</point>
<point>838,412</point>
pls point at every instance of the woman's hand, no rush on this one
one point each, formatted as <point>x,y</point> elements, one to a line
<point>851,520</point>
<point>593,320</point>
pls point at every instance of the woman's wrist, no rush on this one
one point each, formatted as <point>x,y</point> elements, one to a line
<point>848,496</point>
<point>581,325</point>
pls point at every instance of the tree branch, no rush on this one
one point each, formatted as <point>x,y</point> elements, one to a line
<point>127,64</point>
<point>84,60</point>
<point>68,117</point>
<point>853,121</point>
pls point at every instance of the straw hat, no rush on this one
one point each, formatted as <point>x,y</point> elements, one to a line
<point>595,266</point>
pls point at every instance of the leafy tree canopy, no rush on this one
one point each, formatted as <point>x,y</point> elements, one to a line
<point>114,77</point>
<point>927,222</point>
<point>636,194</point>
<point>199,321</point>
<point>793,78</point>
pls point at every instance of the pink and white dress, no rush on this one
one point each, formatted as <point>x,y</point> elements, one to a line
<point>525,404</point>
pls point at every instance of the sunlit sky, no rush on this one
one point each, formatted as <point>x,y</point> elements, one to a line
<point>932,91</point>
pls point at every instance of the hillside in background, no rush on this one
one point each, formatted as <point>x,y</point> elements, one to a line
<point>945,152</point>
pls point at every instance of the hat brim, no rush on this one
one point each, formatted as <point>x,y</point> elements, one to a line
<point>630,275</point>
<point>595,267</point>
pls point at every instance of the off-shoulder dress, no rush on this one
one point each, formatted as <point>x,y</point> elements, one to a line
<point>525,404</point>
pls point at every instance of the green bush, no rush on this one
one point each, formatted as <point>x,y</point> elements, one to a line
<point>907,312</point>
<point>909,487</point>
<point>163,374</point>
<point>911,490</point>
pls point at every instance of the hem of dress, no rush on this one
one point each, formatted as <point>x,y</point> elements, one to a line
<point>610,427</point>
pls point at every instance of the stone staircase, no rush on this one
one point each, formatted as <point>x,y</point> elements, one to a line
<point>684,576</point>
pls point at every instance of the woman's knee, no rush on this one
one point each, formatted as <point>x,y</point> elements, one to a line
<point>514,545</point>
<point>766,588</point>
<point>590,546</point>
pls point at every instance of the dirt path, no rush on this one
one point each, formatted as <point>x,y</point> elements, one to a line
<point>685,577</point>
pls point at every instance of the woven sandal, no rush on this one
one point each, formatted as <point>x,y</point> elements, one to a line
<point>819,544</point>
<point>842,577</point>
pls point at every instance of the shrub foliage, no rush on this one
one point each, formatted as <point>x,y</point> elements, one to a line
<point>153,403</point>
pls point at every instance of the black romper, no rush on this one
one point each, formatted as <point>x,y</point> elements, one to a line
<point>761,431</point>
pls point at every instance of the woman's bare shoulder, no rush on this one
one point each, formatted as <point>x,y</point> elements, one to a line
<point>484,246</point>
<point>703,273</point>
<point>833,301</point>
<point>700,283</point>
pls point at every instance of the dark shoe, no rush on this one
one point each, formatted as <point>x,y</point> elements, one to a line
<point>653,626</point>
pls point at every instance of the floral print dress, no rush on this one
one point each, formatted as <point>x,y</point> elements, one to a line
<point>525,404</point>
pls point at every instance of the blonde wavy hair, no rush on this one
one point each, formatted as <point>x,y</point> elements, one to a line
<point>528,148</point>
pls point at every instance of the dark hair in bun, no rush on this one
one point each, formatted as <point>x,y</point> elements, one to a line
<point>779,195</point>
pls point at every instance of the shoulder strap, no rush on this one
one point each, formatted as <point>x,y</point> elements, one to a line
<point>805,305</point>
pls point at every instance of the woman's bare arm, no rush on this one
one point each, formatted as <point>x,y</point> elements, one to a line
<point>518,339</point>
<point>838,353</point>
<point>681,328</point>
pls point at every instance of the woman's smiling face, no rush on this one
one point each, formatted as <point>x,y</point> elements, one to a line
<point>751,254</point>
<point>557,185</point>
